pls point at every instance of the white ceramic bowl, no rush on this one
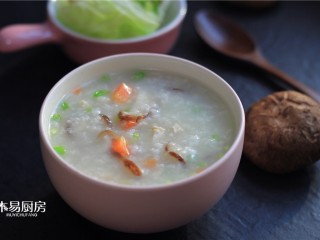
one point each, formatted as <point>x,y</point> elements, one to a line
<point>142,209</point>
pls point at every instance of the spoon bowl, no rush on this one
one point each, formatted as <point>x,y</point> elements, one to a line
<point>235,43</point>
<point>230,39</point>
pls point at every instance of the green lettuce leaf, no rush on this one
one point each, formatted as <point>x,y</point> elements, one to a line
<point>111,19</point>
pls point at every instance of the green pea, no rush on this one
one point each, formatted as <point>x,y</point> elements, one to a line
<point>139,75</point>
<point>105,78</point>
<point>89,109</point>
<point>127,109</point>
<point>215,137</point>
<point>202,164</point>
<point>219,155</point>
<point>136,136</point>
<point>226,148</point>
<point>64,105</point>
<point>56,117</point>
<point>196,109</point>
<point>53,131</point>
<point>60,150</point>
<point>100,93</point>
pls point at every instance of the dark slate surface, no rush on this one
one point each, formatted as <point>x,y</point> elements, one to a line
<point>258,205</point>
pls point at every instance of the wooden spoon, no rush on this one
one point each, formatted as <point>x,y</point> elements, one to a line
<point>231,40</point>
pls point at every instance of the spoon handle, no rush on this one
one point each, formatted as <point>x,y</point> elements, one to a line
<point>261,62</point>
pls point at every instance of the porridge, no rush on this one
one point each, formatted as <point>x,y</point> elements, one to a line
<point>141,127</point>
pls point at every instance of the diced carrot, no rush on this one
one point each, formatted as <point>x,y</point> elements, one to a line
<point>150,163</point>
<point>122,93</point>
<point>128,124</point>
<point>119,146</point>
<point>77,91</point>
<point>128,121</point>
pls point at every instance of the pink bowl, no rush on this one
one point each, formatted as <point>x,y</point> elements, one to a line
<point>142,209</point>
<point>81,48</point>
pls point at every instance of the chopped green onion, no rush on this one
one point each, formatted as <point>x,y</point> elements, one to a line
<point>100,93</point>
<point>139,75</point>
<point>219,155</point>
<point>126,181</point>
<point>226,148</point>
<point>89,109</point>
<point>136,136</point>
<point>105,78</point>
<point>64,105</point>
<point>53,131</point>
<point>196,109</point>
<point>202,164</point>
<point>167,181</point>
<point>60,150</point>
<point>127,109</point>
<point>56,117</point>
<point>215,137</point>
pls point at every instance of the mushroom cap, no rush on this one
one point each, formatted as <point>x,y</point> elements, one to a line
<point>283,132</point>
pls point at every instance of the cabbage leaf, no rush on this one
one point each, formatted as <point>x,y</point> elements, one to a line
<point>111,19</point>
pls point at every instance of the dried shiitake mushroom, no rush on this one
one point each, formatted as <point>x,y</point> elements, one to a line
<point>283,132</point>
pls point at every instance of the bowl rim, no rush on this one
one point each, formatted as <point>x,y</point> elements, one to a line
<point>238,138</point>
<point>182,11</point>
